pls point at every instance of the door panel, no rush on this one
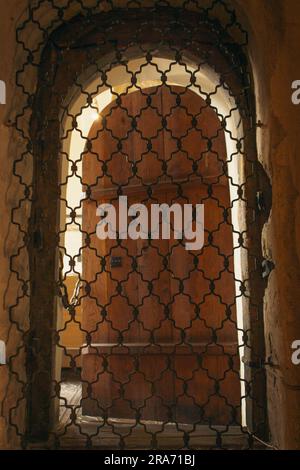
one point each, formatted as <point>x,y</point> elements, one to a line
<point>162,321</point>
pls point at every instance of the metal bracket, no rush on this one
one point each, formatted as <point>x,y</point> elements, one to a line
<point>260,201</point>
<point>116,262</point>
<point>267,266</point>
<point>259,364</point>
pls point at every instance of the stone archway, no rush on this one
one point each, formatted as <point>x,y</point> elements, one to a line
<point>60,83</point>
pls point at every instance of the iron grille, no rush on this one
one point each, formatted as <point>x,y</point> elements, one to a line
<point>153,101</point>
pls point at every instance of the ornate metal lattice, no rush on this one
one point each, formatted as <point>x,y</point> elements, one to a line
<point>137,343</point>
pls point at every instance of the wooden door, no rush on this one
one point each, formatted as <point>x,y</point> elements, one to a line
<point>161,321</point>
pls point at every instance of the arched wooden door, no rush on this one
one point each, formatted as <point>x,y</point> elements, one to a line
<point>162,341</point>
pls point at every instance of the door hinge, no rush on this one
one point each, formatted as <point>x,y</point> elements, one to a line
<point>259,364</point>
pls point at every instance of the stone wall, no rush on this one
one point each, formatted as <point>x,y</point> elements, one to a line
<point>274,36</point>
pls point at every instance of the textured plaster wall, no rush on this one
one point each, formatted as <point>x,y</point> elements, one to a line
<point>274,38</point>
<point>9,390</point>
